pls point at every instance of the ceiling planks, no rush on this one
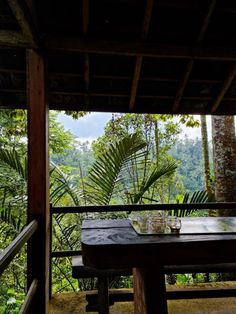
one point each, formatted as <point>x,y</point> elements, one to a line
<point>130,56</point>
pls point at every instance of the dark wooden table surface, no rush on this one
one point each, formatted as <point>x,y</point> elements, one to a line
<point>115,244</point>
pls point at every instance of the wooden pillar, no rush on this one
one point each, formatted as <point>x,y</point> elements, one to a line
<point>149,290</point>
<point>38,179</point>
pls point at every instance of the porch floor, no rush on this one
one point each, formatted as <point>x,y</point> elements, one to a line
<point>68,303</point>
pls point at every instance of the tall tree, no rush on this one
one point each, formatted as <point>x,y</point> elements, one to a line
<point>205,153</point>
<point>224,156</point>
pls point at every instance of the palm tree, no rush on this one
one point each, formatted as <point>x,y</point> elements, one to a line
<point>109,175</point>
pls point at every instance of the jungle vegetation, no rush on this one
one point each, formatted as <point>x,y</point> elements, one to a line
<point>139,159</point>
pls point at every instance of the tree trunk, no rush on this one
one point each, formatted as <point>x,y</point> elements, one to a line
<point>224,155</point>
<point>205,153</point>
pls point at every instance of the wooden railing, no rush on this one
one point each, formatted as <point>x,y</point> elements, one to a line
<point>8,254</point>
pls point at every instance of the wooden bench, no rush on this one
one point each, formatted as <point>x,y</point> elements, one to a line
<point>103,300</point>
<point>100,302</point>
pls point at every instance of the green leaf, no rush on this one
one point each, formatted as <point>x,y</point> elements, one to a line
<point>105,172</point>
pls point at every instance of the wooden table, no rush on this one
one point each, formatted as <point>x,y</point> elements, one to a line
<point>115,244</point>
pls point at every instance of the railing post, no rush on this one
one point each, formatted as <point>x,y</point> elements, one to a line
<point>50,263</point>
<point>38,180</point>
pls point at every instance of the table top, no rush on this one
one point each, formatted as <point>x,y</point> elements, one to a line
<point>115,244</point>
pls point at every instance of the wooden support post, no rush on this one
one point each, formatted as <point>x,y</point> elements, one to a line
<point>38,180</point>
<point>149,291</point>
<point>103,295</point>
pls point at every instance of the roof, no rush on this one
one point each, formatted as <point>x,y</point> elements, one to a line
<point>163,56</point>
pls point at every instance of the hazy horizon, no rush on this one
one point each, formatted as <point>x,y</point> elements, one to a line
<point>91,126</point>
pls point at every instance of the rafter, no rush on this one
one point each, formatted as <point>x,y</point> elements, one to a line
<point>12,38</point>
<point>184,81</point>
<point>182,85</point>
<point>135,81</point>
<point>224,88</point>
<point>85,20</point>
<point>152,50</point>
<point>117,95</point>
<point>206,21</point>
<point>139,60</point>
<point>23,16</point>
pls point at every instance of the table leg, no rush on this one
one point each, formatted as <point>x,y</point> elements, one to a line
<point>149,291</point>
<point>103,295</point>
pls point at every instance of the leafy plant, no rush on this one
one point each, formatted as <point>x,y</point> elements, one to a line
<point>106,172</point>
<point>196,197</point>
<point>112,167</point>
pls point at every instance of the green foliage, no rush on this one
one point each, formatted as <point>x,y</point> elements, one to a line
<point>147,182</point>
<point>124,156</point>
<point>188,153</point>
<point>11,301</point>
<point>105,172</point>
<point>12,159</point>
<point>12,126</point>
<point>135,168</point>
<point>59,138</point>
<point>13,196</point>
<point>189,120</point>
<point>76,114</point>
<point>158,131</point>
<point>196,197</point>
<point>61,187</point>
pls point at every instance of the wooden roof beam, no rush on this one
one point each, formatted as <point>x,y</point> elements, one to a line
<point>224,88</point>
<point>206,21</point>
<point>182,85</point>
<point>131,49</point>
<point>12,38</point>
<point>139,60</point>
<point>184,81</point>
<point>24,18</point>
<point>85,10</point>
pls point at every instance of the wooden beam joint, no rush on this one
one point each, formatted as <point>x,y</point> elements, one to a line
<point>24,18</point>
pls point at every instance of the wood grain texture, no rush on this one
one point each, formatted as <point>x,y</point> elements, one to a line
<point>38,180</point>
<point>149,291</point>
<point>121,247</point>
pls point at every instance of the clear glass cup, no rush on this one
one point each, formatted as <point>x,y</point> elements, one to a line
<point>142,221</point>
<point>156,224</point>
<point>174,223</point>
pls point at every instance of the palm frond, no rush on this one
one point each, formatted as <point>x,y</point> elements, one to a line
<point>11,158</point>
<point>196,197</point>
<point>105,172</point>
<point>156,174</point>
<point>61,185</point>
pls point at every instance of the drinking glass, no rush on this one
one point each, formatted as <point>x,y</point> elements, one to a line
<point>174,223</point>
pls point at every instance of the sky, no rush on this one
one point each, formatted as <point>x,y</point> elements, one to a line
<point>87,128</point>
<point>91,126</point>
